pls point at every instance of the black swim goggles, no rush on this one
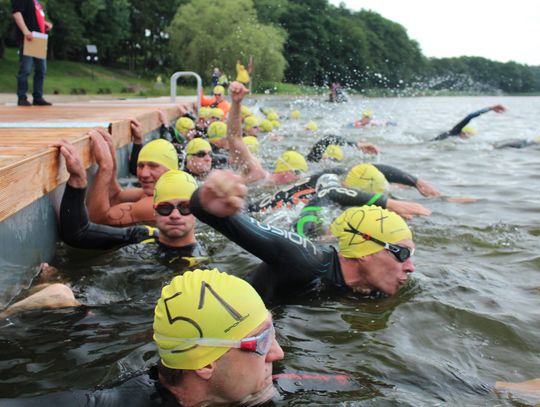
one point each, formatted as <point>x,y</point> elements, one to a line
<point>401,253</point>
<point>166,208</point>
<point>202,154</point>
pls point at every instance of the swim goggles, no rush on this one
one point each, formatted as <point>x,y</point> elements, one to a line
<point>259,344</point>
<point>202,154</point>
<point>401,253</point>
<point>166,208</point>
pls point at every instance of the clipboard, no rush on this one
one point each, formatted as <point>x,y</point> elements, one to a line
<point>36,48</point>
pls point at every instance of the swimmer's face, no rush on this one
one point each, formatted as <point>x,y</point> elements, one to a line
<point>383,272</point>
<point>199,163</point>
<point>243,375</point>
<point>175,225</point>
<point>253,131</point>
<point>148,172</point>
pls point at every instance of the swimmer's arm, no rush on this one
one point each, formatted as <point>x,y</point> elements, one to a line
<point>127,195</point>
<point>268,243</point>
<point>353,197</point>
<point>206,101</point>
<point>127,213</point>
<point>531,387</point>
<point>317,152</point>
<point>77,231</point>
<point>458,127</point>
<point>393,174</point>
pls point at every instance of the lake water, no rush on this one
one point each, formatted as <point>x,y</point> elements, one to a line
<point>469,316</point>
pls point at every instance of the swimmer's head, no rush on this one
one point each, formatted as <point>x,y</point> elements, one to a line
<point>291,161</point>
<point>367,178</point>
<point>159,151</point>
<point>204,112</point>
<point>216,113</point>
<point>245,111</point>
<point>537,140</point>
<point>217,130</point>
<point>275,124</point>
<point>367,114</point>
<point>196,145</point>
<point>311,126</point>
<point>184,125</point>
<point>266,126</point>
<point>295,114</point>
<point>250,122</point>
<point>219,90</point>
<point>373,221</point>
<point>468,132</point>
<point>271,115</point>
<point>333,152</point>
<point>174,184</point>
<point>252,143</point>
<point>203,304</point>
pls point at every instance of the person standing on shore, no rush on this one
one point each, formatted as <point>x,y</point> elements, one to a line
<point>30,17</point>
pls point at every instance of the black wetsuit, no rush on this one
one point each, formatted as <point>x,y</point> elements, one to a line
<point>456,130</point>
<point>305,189</point>
<point>318,150</point>
<point>140,390</point>
<point>516,143</point>
<point>77,231</point>
<point>291,263</point>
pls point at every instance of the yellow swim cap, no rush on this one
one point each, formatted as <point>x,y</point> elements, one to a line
<point>537,140</point>
<point>196,145</point>
<point>250,122</point>
<point>174,184</point>
<point>334,152</point>
<point>160,151</point>
<point>266,126</point>
<point>311,126</point>
<point>216,112</point>
<point>204,304</point>
<point>252,143</point>
<point>217,130</point>
<point>219,90</point>
<point>367,178</point>
<point>469,131</point>
<point>184,124</point>
<point>204,112</point>
<point>290,161</point>
<point>245,111</point>
<point>271,115</point>
<point>275,124</point>
<point>371,220</point>
<point>295,114</point>
<point>367,113</point>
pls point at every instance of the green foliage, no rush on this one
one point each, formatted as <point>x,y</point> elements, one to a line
<point>205,35</point>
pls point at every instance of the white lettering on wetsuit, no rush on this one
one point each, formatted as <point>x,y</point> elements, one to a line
<point>291,236</point>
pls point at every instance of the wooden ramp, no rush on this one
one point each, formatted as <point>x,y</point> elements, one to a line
<point>30,168</point>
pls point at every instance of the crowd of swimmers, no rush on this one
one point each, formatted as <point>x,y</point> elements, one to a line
<point>213,330</point>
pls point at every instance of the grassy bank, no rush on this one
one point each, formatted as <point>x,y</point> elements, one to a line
<point>66,77</point>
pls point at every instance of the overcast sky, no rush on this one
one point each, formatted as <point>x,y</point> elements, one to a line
<point>498,30</point>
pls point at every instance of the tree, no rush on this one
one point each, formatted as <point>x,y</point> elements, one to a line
<point>204,35</point>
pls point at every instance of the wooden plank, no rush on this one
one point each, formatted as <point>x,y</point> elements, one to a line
<point>30,168</point>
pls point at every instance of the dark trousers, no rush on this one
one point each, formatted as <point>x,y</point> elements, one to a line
<point>25,68</point>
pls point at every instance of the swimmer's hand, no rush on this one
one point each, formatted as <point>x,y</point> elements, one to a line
<point>460,199</point>
<point>137,131</point>
<point>407,209</point>
<point>237,92</point>
<point>531,387</point>
<point>368,148</point>
<point>498,108</point>
<point>74,164</point>
<point>223,193</point>
<point>426,189</point>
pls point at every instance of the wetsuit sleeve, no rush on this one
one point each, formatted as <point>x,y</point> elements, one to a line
<point>517,143</point>
<point>316,153</point>
<point>77,231</point>
<point>456,130</point>
<point>393,174</point>
<point>134,157</point>
<point>291,262</point>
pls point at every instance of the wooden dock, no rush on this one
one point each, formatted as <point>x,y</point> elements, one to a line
<point>30,168</point>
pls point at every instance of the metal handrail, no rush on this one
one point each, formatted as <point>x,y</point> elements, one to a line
<point>174,79</point>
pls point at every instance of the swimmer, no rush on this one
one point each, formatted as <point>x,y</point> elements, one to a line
<point>370,259</point>
<point>318,150</point>
<point>174,235</point>
<point>216,343</point>
<point>460,130</point>
<point>107,202</point>
<point>518,143</point>
<point>218,101</point>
